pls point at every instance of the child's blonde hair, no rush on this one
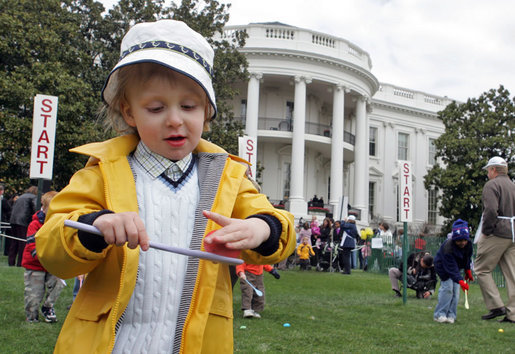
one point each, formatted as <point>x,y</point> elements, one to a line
<point>46,198</point>
<point>137,74</point>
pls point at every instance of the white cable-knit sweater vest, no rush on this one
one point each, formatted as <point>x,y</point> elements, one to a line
<point>148,323</point>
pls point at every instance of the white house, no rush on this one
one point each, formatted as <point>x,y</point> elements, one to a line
<point>326,126</point>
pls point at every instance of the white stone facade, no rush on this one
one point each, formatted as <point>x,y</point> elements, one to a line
<point>312,103</point>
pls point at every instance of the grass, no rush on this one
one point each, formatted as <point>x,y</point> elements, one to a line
<point>17,335</point>
<point>334,313</point>
<point>327,313</point>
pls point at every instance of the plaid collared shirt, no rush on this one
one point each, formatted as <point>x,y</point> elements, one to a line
<point>156,164</point>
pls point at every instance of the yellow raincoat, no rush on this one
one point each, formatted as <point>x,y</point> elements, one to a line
<point>107,182</point>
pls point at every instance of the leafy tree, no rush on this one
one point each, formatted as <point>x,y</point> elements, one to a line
<point>475,131</point>
<point>42,50</point>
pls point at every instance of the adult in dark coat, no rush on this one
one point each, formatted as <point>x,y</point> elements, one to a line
<point>21,216</point>
<point>421,275</point>
<point>5,209</point>
<point>348,236</point>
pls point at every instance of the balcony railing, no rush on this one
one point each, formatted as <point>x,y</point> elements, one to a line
<point>286,125</point>
<point>284,37</point>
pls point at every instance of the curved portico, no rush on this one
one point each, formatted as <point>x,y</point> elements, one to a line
<point>309,100</point>
<point>304,91</point>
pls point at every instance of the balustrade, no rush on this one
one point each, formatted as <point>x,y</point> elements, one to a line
<point>279,124</point>
<point>280,33</point>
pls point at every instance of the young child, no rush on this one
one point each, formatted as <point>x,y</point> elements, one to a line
<point>37,279</point>
<point>251,304</point>
<point>159,181</point>
<point>454,254</point>
<point>304,250</point>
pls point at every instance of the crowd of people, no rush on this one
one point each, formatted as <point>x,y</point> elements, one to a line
<point>333,245</point>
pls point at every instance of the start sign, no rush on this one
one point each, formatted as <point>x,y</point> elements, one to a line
<point>405,192</point>
<point>43,137</point>
<point>247,149</point>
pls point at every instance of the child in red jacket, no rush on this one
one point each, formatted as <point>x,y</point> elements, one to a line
<point>251,304</point>
<point>37,279</point>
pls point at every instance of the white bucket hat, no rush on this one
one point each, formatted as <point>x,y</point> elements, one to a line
<point>169,43</point>
<point>496,161</point>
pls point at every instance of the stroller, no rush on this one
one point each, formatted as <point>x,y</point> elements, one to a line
<point>328,258</point>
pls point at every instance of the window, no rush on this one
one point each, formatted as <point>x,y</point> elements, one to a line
<point>372,139</point>
<point>328,189</point>
<point>286,180</point>
<point>371,199</point>
<point>243,108</point>
<point>402,146</point>
<point>289,111</point>
<point>431,159</point>
<point>398,203</point>
<point>432,206</point>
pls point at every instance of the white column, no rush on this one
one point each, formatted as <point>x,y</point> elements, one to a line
<point>337,146</point>
<point>297,204</point>
<point>388,156</point>
<point>251,125</point>
<point>361,160</point>
<point>419,163</point>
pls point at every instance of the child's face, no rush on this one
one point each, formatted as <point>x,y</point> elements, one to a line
<point>461,243</point>
<point>168,114</point>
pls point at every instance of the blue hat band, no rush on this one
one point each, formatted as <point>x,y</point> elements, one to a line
<point>173,47</point>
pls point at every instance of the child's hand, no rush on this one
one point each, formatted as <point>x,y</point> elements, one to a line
<point>237,234</point>
<point>119,228</point>
<point>275,273</point>
<point>242,275</point>
<point>464,285</point>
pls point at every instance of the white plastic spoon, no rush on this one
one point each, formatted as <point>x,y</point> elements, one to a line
<point>258,292</point>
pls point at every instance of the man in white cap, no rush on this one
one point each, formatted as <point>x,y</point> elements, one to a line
<point>497,243</point>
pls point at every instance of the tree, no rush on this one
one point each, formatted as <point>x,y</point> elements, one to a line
<point>42,50</point>
<point>475,131</point>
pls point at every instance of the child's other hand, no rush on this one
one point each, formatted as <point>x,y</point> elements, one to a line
<point>464,285</point>
<point>119,228</point>
<point>242,275</point>
<point>237,234</point>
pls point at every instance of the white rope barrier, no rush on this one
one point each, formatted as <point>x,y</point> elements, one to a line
<point>14,238</point>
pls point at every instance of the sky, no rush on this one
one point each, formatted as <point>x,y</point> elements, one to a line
<point>453,48</point>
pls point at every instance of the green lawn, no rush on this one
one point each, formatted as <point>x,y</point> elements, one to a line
<point>327,313</point>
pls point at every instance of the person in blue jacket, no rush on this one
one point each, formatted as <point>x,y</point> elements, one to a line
<point>454,254</point>
<point>348,236</point>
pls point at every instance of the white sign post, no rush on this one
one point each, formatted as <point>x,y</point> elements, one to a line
<point>406,192</point>
<point>247,149</point>
<point>406,206</point>
<point>43,137</point>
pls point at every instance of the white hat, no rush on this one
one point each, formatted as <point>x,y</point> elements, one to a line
<point>169,43</point>
<point>496,161</point>
<point>351,217</point>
